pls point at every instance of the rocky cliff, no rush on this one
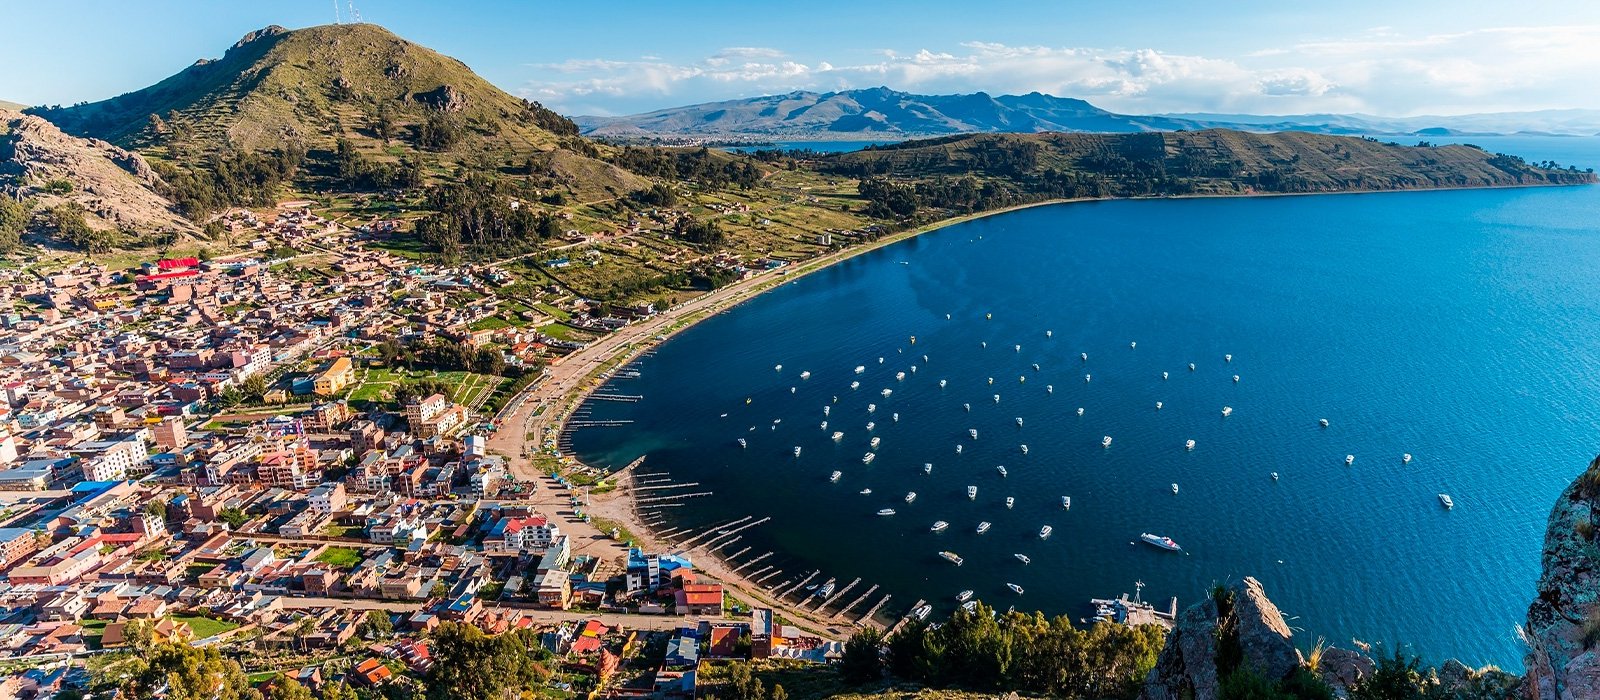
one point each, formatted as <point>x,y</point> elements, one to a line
<point>117,188</point>
<point>1563,630</point>
<point>1237,627</point>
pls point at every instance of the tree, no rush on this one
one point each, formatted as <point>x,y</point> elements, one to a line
<point>233,517</point>
<point>283,687</point>
<point>14,215</point>
<point>383,123</point>
<point>377,625</point>
<point>469,665</point>
<point>1396,678</point>
<point>743,684</point>
<point>70,227</point>
<point>778,693</point>
<point>861,662</point>
<point>181,672</point>
<point>439,590</point>
<point>157,508</point>
<point>254,388</point>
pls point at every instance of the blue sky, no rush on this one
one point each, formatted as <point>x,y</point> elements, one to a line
<point>1138,56</point>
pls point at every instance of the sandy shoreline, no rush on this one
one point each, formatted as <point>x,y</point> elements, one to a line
<point>543,412</point>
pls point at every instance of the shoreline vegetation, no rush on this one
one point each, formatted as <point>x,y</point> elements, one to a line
<point>550,404</point>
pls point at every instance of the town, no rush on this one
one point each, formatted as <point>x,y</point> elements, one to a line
<point>286,453</point>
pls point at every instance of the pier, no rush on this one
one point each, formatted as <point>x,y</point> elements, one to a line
<point>735,531</point>
<point>654,499</point>
<point>763,579</point>
<point>629,398</point>
<point>598,423</point>
<point>714,530</point>
<point>751,562</point>
<point>837,594</point>
<point>859,600</point>
<point>867,616</point>
<point>797,586</point>
<point>737,554</point>
<point>920,602</point>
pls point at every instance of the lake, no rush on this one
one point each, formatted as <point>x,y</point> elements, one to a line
<point>1462,327</point>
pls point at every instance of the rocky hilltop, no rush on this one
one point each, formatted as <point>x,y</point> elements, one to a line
<point>116,188</point>
<point>1563,630</point>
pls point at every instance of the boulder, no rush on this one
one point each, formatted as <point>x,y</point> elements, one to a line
<point>1559,666</point>
<point>1342,668</point>
<point>1187,667</point>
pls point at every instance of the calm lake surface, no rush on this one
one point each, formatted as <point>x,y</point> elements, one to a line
<point>1462,327</point>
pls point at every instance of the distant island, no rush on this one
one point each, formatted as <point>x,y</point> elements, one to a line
<point>877,114</point>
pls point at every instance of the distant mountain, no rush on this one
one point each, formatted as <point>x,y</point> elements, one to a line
<point>877,113</point>
<point>882,113</point>
<point>13,106</point>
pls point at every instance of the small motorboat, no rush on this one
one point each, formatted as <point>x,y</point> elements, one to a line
<point>1163,375</point>
<point>1444,500</point>
<point>1188,445</point>
<point>805,375</point>
<point>1019,421</point>
<point>797,450</point>
<point>942,383</point>
<point>939,526</point>
<point>855,385</point>
<point>860,369</point>
<point>872,408</point>
<point>875,442</point>
<point>1106,441</point>
<point>1191,366</point>
<point>972,493</point>
<point>1158,405</point>
<point>911,496</point>
<point>1087,377</point>
<point>778,368</point>
<point>927,468</point>
<point>1227,411</point>
<point>742,443</point>
<point>973,433</point>
<point>964,596</point>
<point>886,511</point>
<point>1014,587</point>
<point>1174,489</point>
<point>1023,558</point>
<point>921,612</point>
<point>1024,449</point>
<point>1274,476</point>
<point>837,436</point>
<point>1066,502</point>
<point>865,492</point>
<point>1227,358</point>
<point>1080,411</point>
<point>1349,460</point>
<point>958,449</point>
<point>997,398</point>
<point>1001,470</point>
<point>983,527</point>
<point>1405,458</point>
<point>834,476</point>
<point>868,457</point>
<point>1085,356</point>
<point>1323,422</point>
<point>1049,388</point>
<point>1010,502</point>
<point>1235,379</point>
<point>1045,531</point>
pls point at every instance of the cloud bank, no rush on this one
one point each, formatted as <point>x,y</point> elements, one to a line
<point>1378,72</point>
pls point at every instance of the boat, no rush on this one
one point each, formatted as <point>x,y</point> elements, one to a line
<point>1019,421</point>
<point>984,344</point>
<point>988,316</point>
<point>997,398</point>
<point>834,477</point>
<point>868,457</point>
<point>1349,460</point>
<point>941,383</point>
<point>1159,541</point>
<point>872,408</point>
<point>826,410</point>
<point>1106,441</point>
<point>958,449</point>
<point>983,527</point>
<point>1444,499</point>
<point>797,450</point>
<point>871,425</point>
<point>805,375</point>
<point>970,606</point>
<point>939,526</point>
<point>1023,558</point>
<point>1017,348</point>
<point>927,468</point>
<point>874,442</point>
<point>1010,501</point>
<point>865,492</point>
<point>813,587</point>
<point>1080,410</point>
<point>1001,470</point>
<point>973,432</point>
<point>964,596</point>
<point>1174,488</point>
<point>826,589</point>
<point>880,360</point>
<point>1133,344</point>
<point>1405,458</point>
<point>1323,422</point>
<point>899,377</point>
<point>1274,476</point>
<point>1087,377</point>
<point>1235,379</point>
<point>860,369</point>
<point>1024,449</point>
<point>1035,366</point>
<point>1191,366</point>
<point>886,511</point>
<point>1227,358</point>
<point>952,557</point>
<point>967,406</point>
<point>855,385</point>
<point>894,417</point>
<point>742,443</point>
<point>922,611</point>
<point>1049,388</point>
<point>972,493</point>
<point>913,338</point>
<point>1163,375</point>
<point>1066,502</point>
<point>991,380</point>
<point>911,496</point>
<point>837,436</point>
<point>913,369</point>
<point>1015,587</point>
<point>778,368</point>
<point>1085,356</point>
<point>1188,445</point>
<point>1227,411</point>
<point>1049,334</point>
<point>1158,405</point>
<point>1045,531</point>
<point>824,425</point>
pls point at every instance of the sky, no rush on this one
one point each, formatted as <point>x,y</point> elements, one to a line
<point>1388,58</point>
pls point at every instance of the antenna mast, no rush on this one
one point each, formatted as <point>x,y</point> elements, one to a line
<point>352,13</point>
<point>335,11</point>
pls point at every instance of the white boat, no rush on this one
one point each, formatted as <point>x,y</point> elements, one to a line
<point>983,527</point>
<point>973,432</point>
<point>1227,411</point>
<point>1066,502</point>
<point>1158,405</point>
<point>742,443</point>
<point>797,450</point>
<point>1024,449</point>
<point>834,476</point>
<point>1019,421</point>
<point>1017,348</point>
<point>865,492</point>
<point>826,589</point>
<point>1001,470</point>
<point>927,468</point>
<point>1188,445</point>
<point>868,457</point>
<point>1159,541</point>
<point>886,511</point>
<point>778,368</point>
<point>1085,356</point>
<point>1174,488</point>
<point>964,596</point>
<point>874,442</point>
<point>880,360</point>
<point>837,436</point>
<point>872,408</point>
<point>1444,499</point>
<point>1087,377</point>
<point>911,496</point>
<point>860,369</point>
<point>1405,458</point>
<point>967,406</point>
<point>1106,441</point>
<point>1023,558</point>
<point>1227,358</point>
<point>941,383</point>
<point>894,417</point>
<point>952,557</point>
<point>871,425</point>
<point>1049,388</point>
<point>1133,344</point>
<point>972,493</point>
<point>1323,422</point>
<point>805,375</point>
<point>826,410</point>
<point>914,368</point>
<point>997,398</point>
<point>988,316</point>
<point>1045,531</point>
<point>1349,460</point>
<point>1191,366</point>
<point>1274,476</point>
<point>939,526</point>
<point>900,376</point>
<point>984,344</point>
<point>1163,375</point>
<point>855,385</point>
<point>1035,366</point>
<point>1080,410</point>
<point>1014,587</point>
<point>958,449</point>
<point>991,380</point>
<point>1049,334</point>
<point>1235,379</point>
<point>1022,379</point>
<point>1010,501</point>
<point>824,425</point>
<point>921,612</point>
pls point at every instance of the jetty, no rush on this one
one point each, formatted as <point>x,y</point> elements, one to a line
<point>859,600</point>
<point>903,618</point>
<point>837,594</point>
<point>752,562</point>
<point>797,586</point>
<point>867,616</point>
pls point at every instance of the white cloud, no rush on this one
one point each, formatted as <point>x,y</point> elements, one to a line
<point>1377,71</point>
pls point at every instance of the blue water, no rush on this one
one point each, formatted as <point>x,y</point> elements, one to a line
<point>1460,326</point>
<point>818,146</point>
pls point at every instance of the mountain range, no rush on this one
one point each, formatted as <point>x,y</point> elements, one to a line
<point>883,114</point>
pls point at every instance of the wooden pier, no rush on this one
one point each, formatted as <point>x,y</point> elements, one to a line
<point>859,600</point>
<point>797,586</point>
<point>752,561</point>
<point>867,616</point>
<point>837,595</point>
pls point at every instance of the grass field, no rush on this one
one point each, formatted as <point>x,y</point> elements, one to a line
<point>204,626</point>
<point>340,557</point>
<point>466,387</point>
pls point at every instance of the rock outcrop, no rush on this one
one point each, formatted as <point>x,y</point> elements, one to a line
<point>1563,629</point>
<point>1244,626</point>
<point>117,188</point>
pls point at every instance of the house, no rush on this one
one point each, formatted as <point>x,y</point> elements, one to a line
<point>700,599</point>
<point>338,375</point>
<point>371,672</point>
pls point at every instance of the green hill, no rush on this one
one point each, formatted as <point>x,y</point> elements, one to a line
<point>312,87</point>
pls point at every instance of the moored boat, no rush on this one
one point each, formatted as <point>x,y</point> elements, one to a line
<point>984,527</point>
<point>952,557</point>
<point>1162,542</point>
<point>972,493</point>
<point>1444,500</point>
<point>964,596</point>
<point>1023,558</point>
<point>939,526</point>
<point>886,511</point>
<point>1015,588</point>
<point>834,476</point>
<point>1045,531</point>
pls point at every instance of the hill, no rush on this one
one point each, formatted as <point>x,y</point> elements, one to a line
<point>884,114</point>
<point>877,113</point>
<point>311,88</point>
<point>116,190</point>
<point>12,106</point>
<point>1205,162</point>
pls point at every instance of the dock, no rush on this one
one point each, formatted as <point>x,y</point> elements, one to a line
<point>920,602</point>
<point>837,595</point>
<point>752,562</point>
<point>797,586</point>
<point>859,600</point>
<point>867,616</point>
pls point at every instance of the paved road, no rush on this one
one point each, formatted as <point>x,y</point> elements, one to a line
<point>649,622</point>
